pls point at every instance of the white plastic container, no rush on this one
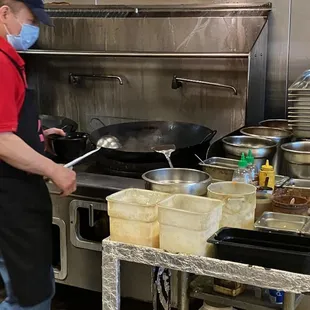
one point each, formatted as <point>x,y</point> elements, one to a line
<point>186,222</point>
<point>240,203</point>
<point>134,216</point>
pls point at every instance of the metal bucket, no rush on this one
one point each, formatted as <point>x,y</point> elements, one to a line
<point>297,159</point>
<point>262,149</point>
<point>278,135</point>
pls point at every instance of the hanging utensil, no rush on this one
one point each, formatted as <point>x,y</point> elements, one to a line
<point>108,142</point>
<point>166,150</point>
<point>199,159</point>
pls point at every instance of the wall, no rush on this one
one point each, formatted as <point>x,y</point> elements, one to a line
<point>289,46</point>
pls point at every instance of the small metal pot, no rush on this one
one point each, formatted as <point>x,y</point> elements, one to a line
<point>261,148</point>
<point>177,181</point>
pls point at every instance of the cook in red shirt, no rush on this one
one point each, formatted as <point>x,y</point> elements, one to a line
<point>25,205</point>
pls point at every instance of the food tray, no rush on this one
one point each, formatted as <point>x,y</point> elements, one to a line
<point>299,186</point>
<point>272,221</point>
<point>220,168</point>
<point>269,250</point>
<point>281,180</point>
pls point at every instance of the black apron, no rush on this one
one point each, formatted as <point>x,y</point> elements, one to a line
<point>26,217</point>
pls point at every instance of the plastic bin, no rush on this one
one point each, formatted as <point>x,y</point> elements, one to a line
<point>134,216</point>
<point>239,203</point>
<point>269,250</point>
<point>186,223</point>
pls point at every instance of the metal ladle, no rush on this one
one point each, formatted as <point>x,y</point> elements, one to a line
<point>167,150</point>
<point>108,142</point>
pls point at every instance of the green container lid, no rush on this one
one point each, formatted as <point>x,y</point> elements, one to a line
<point>242,163</point>
<point>250,158</point>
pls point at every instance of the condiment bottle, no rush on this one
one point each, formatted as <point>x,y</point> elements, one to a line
<point>267,176</point>
<point>241,174</point>
<point>253,171</point>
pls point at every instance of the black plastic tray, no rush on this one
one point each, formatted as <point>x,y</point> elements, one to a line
<point>269,250</point>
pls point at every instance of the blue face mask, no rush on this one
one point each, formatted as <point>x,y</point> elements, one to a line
<point>29,34</point>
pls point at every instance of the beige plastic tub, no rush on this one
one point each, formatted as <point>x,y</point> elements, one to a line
<point>186,222</point>
<point>134,216</point>
<point>239,203</point>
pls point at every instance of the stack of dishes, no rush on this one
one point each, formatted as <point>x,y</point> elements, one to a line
<point>299,106</point>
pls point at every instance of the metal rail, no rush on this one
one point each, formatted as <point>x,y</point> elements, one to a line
<point>133,54</point>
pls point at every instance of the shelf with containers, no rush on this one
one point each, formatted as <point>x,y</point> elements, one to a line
<point>177,215</point>
<point>114,252</point>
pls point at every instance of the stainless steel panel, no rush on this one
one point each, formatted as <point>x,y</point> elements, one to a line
<point>63,272</point>
<point>75,236</point>
<point>146,92</point>
<point>299,41</point>
<point>80,274</point>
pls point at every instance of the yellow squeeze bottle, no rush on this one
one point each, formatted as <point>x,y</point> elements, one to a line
<point>265,172</point>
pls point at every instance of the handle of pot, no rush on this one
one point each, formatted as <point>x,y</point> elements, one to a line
<point>235,204</point>
<point>98,120</point>
<point>209,136</point>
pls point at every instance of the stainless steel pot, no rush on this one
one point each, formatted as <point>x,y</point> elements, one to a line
<point>297,152</point>
<point>261,148</point>
<point>297,158</point>
<point>177,181</point>
<point>278,135</point>
<point>275,123</point>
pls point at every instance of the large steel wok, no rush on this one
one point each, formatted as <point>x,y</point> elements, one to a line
<point>138,139</point>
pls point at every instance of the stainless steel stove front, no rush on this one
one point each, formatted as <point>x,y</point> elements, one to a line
<point>80,223</point>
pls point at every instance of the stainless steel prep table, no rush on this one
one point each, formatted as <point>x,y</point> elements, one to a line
<point>114,252</point>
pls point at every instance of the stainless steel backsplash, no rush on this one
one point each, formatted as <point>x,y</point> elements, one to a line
<point>146,92</point>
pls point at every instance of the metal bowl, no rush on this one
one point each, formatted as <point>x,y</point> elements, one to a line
<point>260,147</point>
<point>275,123</point>
<point>297,152</point>
<point>277,135</point>
<point>177,181</point>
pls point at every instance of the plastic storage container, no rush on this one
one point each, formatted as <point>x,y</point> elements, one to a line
<point>269,250</point>
<point>186,222</point>
<point>239,203</point>
<point>134,216</point>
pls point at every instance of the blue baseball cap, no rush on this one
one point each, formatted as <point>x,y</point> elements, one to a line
<point>37,8</point>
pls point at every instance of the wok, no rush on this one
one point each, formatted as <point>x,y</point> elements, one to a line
<point>138,139</point>
<point>49,121</point>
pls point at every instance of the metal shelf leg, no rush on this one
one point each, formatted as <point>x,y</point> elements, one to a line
<point>183,296</point>
<point>289,301</point>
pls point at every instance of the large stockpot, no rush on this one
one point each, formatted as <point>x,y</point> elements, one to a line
<point>297,159</point>
<point>278,135</point>
<point>177,181</point>
<point>262,149</point>
<point>239,203</point>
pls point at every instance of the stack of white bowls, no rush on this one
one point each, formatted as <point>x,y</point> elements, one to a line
<point>299,106</point>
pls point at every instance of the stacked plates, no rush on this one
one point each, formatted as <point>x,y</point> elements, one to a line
<point>299,106</point>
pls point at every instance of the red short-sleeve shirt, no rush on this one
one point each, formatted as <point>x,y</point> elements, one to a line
<point>12,87</point>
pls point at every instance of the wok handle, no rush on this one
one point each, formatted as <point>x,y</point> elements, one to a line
<point>209,136</point>
<point>98,120</point>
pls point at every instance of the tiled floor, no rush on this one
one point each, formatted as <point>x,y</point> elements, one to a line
<point>69,298</point>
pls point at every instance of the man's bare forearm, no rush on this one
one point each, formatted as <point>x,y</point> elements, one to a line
<point>18,154</point>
